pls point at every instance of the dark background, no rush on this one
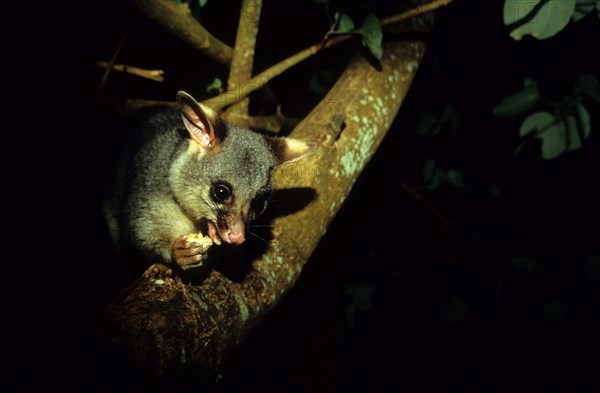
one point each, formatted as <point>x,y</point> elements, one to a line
<point>501,294</point>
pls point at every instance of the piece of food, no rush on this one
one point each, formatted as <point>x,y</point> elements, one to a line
<point>204,241</point>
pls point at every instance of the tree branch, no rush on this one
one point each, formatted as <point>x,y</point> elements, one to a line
<point>110,64</point>
<point>273,123</point>
<point>178,19</point>
<point>243,53</point>
<point>155,75</point>
<point>419,10</point>
<point>232,96</point>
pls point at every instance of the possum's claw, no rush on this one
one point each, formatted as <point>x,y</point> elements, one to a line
<point>159,274</point>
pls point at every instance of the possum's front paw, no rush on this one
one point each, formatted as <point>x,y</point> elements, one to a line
<point>158,272</point>
<point>189,250</point>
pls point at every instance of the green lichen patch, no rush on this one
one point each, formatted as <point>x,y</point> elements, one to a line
<point>199,301</point>
<point>243,308</point>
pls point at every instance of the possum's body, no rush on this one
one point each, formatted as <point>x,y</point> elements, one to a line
<point>192,172</point>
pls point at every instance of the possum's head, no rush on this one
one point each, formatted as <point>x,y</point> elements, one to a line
<point>222,180</point>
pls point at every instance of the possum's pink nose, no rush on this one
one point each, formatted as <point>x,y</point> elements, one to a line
<point>237,238</point>
<point>235,233</point>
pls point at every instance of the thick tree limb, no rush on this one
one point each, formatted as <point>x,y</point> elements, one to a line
<point>179,21</point>
<point>243,54</point>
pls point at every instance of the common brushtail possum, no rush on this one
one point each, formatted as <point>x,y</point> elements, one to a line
<point>193,172</point>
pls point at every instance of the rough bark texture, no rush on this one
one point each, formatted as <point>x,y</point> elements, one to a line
<point>168,330</point>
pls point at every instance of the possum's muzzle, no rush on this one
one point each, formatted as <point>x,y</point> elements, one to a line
<point>232,230</point>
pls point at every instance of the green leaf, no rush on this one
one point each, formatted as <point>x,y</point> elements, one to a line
<point>573,131</point>
<point>552,133</point>
<point>429,170</point>
<point>215,85</point>
<point>195,8</point>
<point>582,8</point>
<point>554,141</point>
<point>536,122</point>
<point>589,85</point>
<point>428,125</point>
<point>584,119</point>
<point>343,23</point>
<point>455,177</point>
<point>518,102</point>
<point>450,118</point>
<point>551,18</point>
<point>372,35</point>
<point>434,177</point>
<point>431,175</point>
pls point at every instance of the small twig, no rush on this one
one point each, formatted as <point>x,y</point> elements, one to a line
<point>155,75</point>
<point>133,104</point>
<point>423,201</point>
<point>111,63</point>
<point>243,53</point>
<point>273,123</point>
<point>230,97</point>
<point>414,12</point>
<point>233,96</point>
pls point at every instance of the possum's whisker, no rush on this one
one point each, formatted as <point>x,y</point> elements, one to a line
<point>254,234</point>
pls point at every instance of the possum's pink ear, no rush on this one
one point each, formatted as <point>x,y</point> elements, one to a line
<point>290,149</point>
<point>198,120</point>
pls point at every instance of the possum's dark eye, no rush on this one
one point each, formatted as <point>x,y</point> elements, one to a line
<point>220,192</point>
